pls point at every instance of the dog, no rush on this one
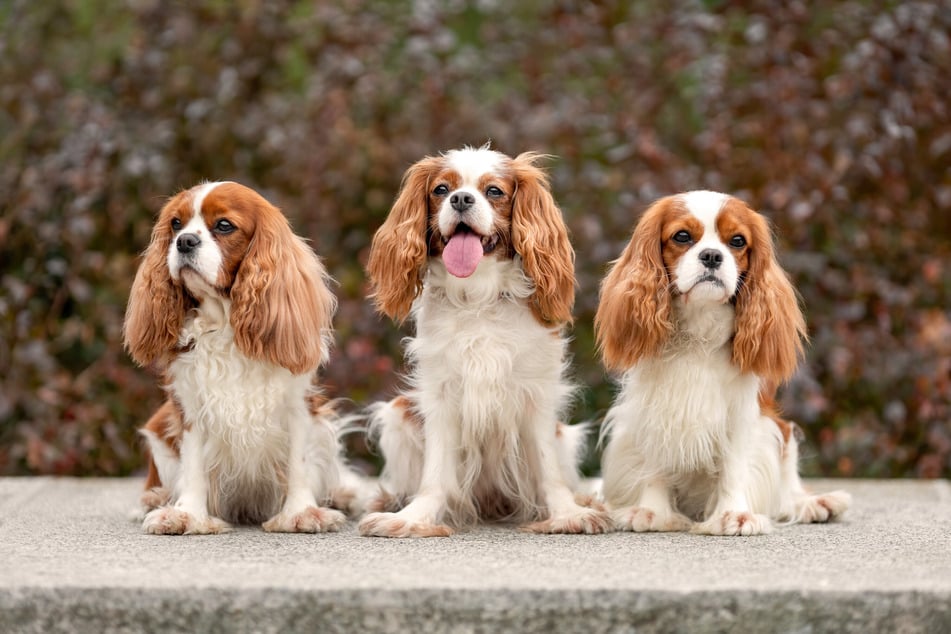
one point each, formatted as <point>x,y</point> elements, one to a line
<point>703,325</point>
<point>476,253</point>
<point>234,312</point>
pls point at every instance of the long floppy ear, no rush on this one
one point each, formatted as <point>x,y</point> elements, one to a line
<point>281,306</point>
<point>634,318</point>
<point>540,237</point>
<point>157,304</point>
<point>770,327</point>
<point>400,247</point>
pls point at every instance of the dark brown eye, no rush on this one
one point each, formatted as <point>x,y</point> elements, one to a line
<point>224,227</point>
<point>176,224</point>
<point>682,237</point>
<point>441,190</point>
<point>737,242</point>
<point>494,192</point>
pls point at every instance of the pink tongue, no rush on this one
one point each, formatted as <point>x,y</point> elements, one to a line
<point>462,254</point>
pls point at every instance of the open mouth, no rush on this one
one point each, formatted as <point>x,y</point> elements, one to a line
<point>464,250</point>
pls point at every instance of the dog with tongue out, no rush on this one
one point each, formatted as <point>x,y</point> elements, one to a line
<point>476,253</point>
<point>464,250</point>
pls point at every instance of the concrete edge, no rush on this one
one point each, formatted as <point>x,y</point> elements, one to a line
<point>115,610</point>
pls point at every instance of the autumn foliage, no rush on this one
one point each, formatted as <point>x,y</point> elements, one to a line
<point>833,119</point>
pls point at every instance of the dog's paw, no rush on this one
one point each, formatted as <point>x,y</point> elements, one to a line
<point>735,523</point>
<point>822,508</point>
<point>386,502</point>
<point>154,498</point>
<point>392,525</point>
<point>169,520</point>
<point>589,500</point>
<point>312,519</point>
<point>150,500</point>
<point>345,500</point>
<point>590,521</point>
<point>640,519</point>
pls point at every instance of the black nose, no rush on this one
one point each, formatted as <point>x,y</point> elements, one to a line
<point>711,258</point>
<point>461,201</point>
<point>187,242</point>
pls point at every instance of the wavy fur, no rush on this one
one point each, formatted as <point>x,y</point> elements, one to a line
<point>235,311</point>
<point>399,249</point>
<point>703,324</point>
<point>476,436</point>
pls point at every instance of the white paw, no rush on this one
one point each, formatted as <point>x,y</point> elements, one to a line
<point>312,519</point>
<point>584,520</point>
<point>641,519</point>
<point>393,525</point>
<point>822,508</point>
<point>169,520</point>
<point>735,523</point>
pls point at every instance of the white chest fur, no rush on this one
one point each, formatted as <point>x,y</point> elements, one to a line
<point>479,349</point>
<point>682,407</point>
<point>239,406</point>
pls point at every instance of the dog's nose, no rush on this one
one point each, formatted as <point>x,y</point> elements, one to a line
<point>461,201</point>
<point>711,258</point>
<point>187,242</point>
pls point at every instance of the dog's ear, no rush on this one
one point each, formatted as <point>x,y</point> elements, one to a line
<point>634,318</point>
<point>281,306</point>
<point>540,237</point>
<point>770,327</point>
<point>400,248</point>
<point>157,304</point>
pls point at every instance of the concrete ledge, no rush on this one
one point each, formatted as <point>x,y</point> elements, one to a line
<point>70,561</point>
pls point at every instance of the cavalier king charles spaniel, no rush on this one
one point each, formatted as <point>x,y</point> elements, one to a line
<point>476,252</point>
<point>704,325</point>
<point>233,310</point>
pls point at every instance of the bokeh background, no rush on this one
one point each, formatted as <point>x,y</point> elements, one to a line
<point>831,118</point>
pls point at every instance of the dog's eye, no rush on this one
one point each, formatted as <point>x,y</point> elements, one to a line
<point>682,237</point>
<point>176,224</point>
<point>224,227</point>
<point>441,190</point>
<point>737,242</point>
<point>494,192</point>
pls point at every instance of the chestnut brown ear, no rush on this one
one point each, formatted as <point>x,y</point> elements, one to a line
<point>281,306</point>
<point>399,248</point>
<point>770,327</point>
<point>634,312</point>
<point>157,304</point>
<point>540,237</point>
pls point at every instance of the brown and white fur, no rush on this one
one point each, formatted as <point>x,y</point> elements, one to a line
<point>704,326</point>
<point>233,310</point>
<point>476,436</point>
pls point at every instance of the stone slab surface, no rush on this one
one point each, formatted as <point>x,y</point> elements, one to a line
<point>72,561</point>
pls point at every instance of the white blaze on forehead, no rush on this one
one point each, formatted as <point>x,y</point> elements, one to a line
<point>200,192</point>
<point>706,206</point>
<point>472,164</point>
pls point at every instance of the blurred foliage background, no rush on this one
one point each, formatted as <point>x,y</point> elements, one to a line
<point>831,118</point>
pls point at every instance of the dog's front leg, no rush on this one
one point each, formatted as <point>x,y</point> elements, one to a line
<point>565,515</point>
<point>732,513</point>
<point>300,512</point>
<point>422,517</point>
<point>189,514</point>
